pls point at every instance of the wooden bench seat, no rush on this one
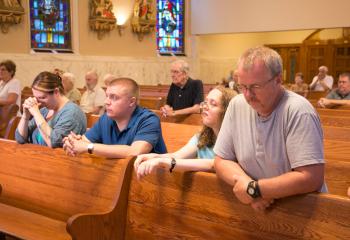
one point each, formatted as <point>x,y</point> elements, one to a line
<point>200,206</point>
<point>48,195</point>
<point>28,225</point>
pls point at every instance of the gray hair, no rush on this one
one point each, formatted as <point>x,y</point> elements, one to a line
<point>108,77</point>
<point>323,68</point>
<point>345,74</point>
<point>184,67</point>
<point>69,76</point>
<point>269,57</point>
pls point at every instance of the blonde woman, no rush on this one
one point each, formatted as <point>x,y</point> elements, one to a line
<point>200,145</point>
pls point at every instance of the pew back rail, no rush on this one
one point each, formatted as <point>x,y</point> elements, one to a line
<point>48,195</point>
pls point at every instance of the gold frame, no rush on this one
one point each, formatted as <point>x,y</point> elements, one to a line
<point>11,13</point>
<point>98,20</point>
<point>143,22</point>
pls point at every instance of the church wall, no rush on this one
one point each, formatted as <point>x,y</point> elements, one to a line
<point>219,52</point>
<point>120,55</point>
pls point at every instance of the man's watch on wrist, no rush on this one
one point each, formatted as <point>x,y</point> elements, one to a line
<point>172,164</point>
<point>90,148</point>
<point>253,189</point>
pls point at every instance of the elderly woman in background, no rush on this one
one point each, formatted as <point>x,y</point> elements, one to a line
<point>55,119</point>
<point>200,145</point>
<point>73,94</point>
<point>10,88</point>
<point>300,87</point>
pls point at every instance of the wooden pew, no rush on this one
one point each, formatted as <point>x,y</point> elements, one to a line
<point>334,149</point>
<point>11,128</point>
<point>200,206</point>
<point>337,121</point>
<point>152,102</point>
<point>48,195</point>
<point>6,114</point>
<point>177,135</point>
<point>91,119</point>
<point>337,176</point>
<point>316,95</point>
<point>191,119</point>
<point>333,112</point>
<point>336,133</point>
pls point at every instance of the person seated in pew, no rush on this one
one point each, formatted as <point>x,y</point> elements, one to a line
<point>49,116</point>
<point>73,94</point>
<point>322,81</point>
<point>185,94</point>
<point>299,86</point>
<point>233,80</point>
<point>125,129</point>
<point>199,146</point>
<point>92,100</point>
<point>340,96</point>
<point>270,143</point>
<point>107,78</point>
<point>10,87</point>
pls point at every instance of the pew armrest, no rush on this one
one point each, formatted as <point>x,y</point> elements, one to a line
<point>80,226</point>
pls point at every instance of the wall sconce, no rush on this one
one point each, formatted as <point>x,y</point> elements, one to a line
<point>121,19</point>
<point>102,19</point>
<point>121,29</point>
<point>10,15</point>
<point>143,20</point>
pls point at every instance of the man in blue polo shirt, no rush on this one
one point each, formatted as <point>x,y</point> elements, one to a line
<point>125,128</point>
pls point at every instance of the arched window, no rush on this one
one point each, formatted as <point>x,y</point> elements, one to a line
<point>50,25</point>
<point>170,27</point>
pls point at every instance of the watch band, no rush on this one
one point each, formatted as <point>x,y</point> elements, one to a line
<point>253,189</point>
<point>172,164</point>
<point>90,148</point>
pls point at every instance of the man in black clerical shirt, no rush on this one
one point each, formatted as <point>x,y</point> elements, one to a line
<point>185,94</point>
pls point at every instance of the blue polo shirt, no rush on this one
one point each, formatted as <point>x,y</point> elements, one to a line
<point>144,125</point>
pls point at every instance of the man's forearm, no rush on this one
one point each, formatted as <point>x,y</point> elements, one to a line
<point>339,102</point>
<point>226,169</point>
<point>302,180</point>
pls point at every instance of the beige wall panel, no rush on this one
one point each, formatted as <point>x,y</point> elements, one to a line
<point>17,39</point>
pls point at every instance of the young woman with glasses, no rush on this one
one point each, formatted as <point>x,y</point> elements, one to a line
<point>200,145</point>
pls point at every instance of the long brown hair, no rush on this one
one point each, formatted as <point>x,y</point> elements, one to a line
<point>207,137</point>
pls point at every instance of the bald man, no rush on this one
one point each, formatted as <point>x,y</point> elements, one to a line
<point>322,81</point>
<point>94,97</point>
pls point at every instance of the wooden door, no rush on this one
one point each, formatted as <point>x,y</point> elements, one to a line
<point>290,54</point>
<point>341,59</point>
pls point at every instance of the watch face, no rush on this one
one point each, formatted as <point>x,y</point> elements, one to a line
<point>251,191</point>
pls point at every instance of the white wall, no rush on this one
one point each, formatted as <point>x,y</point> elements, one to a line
<point>238,16</point>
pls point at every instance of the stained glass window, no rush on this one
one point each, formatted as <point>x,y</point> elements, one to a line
<point>50,24</point>
<point>170,27</point>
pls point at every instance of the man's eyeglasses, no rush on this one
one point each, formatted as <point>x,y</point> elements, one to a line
<point>175,72</point>
<point>254,88</point>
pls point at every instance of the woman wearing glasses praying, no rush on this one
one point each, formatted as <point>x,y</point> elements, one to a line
<point>199,146</point>
<point>49,116</point>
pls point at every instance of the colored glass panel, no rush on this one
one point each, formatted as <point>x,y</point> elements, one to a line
<point>170,27</point>
<point>50,24</point>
